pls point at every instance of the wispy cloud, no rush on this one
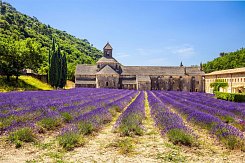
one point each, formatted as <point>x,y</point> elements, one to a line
<point>121,55</point>
<point>183,51</point>
<point>148,52</point>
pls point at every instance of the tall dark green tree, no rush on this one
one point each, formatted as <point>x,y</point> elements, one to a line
<point>57,68</point>
<point>63,72</point>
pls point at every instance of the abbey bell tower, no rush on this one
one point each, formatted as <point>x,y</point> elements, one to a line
<point>108,51</point>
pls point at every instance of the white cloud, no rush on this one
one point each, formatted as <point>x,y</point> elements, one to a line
<point>183,51</point>
<point>148,52</point>
<point>121,55</point>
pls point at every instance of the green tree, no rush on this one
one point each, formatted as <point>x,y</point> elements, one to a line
<point>57,68</point>
<point>19,55</point>
<point>63,72</point>
<point>218,84</point>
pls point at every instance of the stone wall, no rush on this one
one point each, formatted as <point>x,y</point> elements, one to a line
<point>144,85</point>
<point>85,85</point>
<point>177,83</point>
<point>107,81</point>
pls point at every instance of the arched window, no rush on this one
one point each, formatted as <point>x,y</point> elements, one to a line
<point>107,84</point>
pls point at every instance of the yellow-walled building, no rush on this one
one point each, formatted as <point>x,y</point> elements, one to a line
<point>234,77</point>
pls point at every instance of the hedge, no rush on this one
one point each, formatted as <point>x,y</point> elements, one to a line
<point>230,96</point>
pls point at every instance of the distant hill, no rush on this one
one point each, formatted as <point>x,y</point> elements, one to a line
<point>17,26</point>
<point>226,61</point>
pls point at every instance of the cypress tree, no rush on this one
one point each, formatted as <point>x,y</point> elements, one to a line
<point>52,66</point>
<point>57,67</point>
<point>64,72</point>
<point>49,63</point>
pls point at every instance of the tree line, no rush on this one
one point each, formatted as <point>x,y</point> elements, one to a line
<point>16,28</point>
<point>226,61</point>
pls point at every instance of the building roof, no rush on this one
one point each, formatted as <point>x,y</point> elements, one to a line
<point>85,82</point>
<point>160,70</point>
<point>107,60</point>
<point>143,78</point>
<point>128,81</point>
<point>83,69</point>
<point>108,46</point>
<point>194,71</point>
<point>107,70</point>
<point>228,71</point>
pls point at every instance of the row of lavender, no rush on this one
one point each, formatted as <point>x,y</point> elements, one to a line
<point>28,109</point>
<point>169,123</point>
<point>237,109</point>
<point>213,119</point>
<point>130,121</point>
<point>228,112</point>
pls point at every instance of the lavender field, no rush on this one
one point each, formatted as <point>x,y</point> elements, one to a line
<point>127,125</point>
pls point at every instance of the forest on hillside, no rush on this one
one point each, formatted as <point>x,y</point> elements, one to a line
<point>25,43</point>
<point>226,61</point>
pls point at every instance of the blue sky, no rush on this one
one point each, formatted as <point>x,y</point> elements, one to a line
<point>147,32</point>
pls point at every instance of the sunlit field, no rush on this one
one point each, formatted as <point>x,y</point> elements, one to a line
<point>86,125</point>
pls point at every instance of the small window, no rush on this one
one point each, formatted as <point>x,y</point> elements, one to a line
<point>107,84</point>
<point>108,53</point>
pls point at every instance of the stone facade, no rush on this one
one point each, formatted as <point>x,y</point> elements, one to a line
<point>234,77</point>
<point>109,73</point>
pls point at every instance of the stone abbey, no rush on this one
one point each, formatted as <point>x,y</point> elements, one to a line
<point>109,73</point>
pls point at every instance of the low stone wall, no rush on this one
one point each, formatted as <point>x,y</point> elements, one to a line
<point>43,78</point>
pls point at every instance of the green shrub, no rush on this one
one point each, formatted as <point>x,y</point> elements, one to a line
<point>21,135</point>
<point>50,123</point>
<point>67,117</point>
<point>227,119</point>
<point>131,125</point>
<point>85,128</point>
<point>236,97</point>
<point>125,145</point>
<point>178,136</point>
<point>231,142</point>
<point>70,140</point>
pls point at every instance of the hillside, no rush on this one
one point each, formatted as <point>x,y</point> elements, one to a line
<point>23,84</point>
<point>15,26</point>
<point>226,61</point>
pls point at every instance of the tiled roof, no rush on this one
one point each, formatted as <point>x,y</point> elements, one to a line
<point>140,70</point>
<point>194,71</point>
<point>83,69</point>
<point>128,81</point>
<point>160,70</point>
<point>108,46</point>
<point>107,70</point>
<point>85,82</point>
<point>229,71</point>
<point>143,78</point>
<point>107,60</point>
